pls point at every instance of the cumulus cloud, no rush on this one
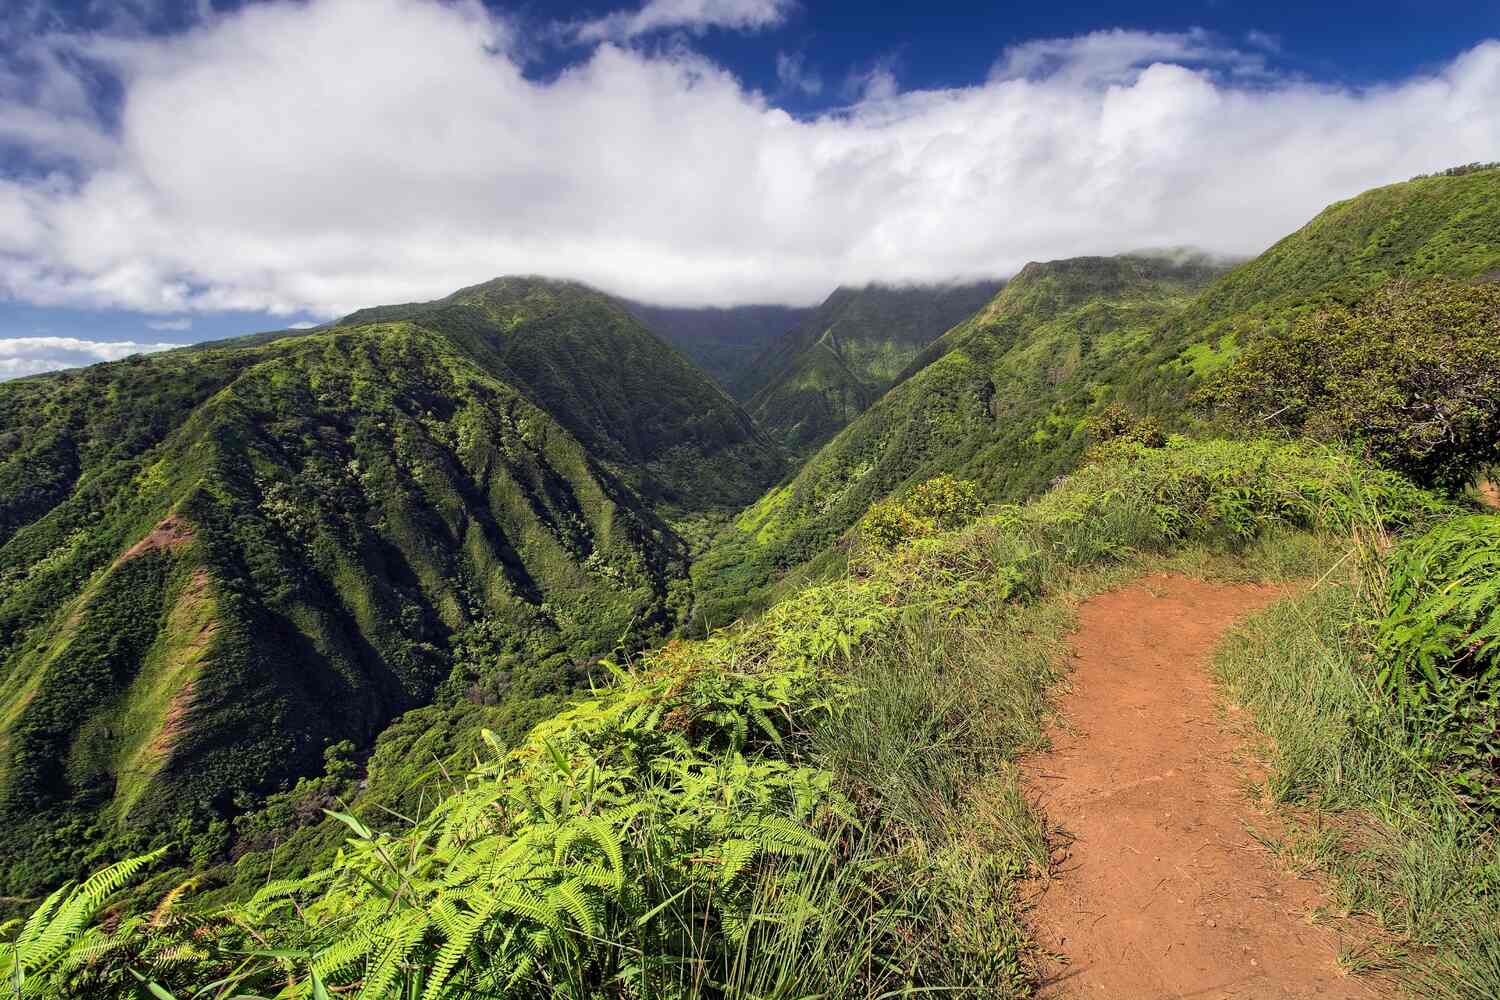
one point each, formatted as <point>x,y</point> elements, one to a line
<point>689,15</point>
<point>327,155</point>
<point>30,355</point>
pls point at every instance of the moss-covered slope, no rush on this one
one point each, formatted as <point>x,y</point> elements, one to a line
<point>629,397</point>
<point>822,374</point>
<point>215,564</point>
<point>1441,226</point>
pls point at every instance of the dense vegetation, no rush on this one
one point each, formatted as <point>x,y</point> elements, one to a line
<point>819,801</point>
<point>635,403</point>
<point>216,565</point>
<point>1412,374</point>
<point>1000,400</point>
<point>807,385</point>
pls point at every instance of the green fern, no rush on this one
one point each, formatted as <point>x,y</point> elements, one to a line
<point>53,939</point>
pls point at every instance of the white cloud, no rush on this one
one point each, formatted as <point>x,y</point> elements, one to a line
<point>794,74</point>
<point>328,155</point>
<point>690,15</point>
<point>180,323</point>
<point>874,84</point>
<point>30,355</point>
<point>1117,56</point>
<point>1263,40</point>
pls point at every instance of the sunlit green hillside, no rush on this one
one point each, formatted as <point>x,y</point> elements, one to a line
<point>1003,398</point>
<point>216,564</point>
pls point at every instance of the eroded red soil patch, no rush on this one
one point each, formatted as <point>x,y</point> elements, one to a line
<point>175,721</point>
<point>170,534</point>
<point>1163,892</point>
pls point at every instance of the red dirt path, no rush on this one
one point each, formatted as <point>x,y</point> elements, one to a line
<point>1162,891</point>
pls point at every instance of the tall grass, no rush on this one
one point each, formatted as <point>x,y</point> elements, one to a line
<point>1370,805</point>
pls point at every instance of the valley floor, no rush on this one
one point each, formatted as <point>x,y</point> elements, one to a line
<point>1161,887</point>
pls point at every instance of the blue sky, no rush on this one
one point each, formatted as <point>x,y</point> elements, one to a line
<point>180,171</point>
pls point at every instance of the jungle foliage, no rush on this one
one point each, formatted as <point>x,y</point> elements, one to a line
<point>1411,375</point>
<point>785,806</point>
<point>1439,643</point>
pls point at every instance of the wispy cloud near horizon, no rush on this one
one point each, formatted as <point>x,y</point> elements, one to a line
<point>696,16</point>
<point>32,355</point>
<point>179,324</point>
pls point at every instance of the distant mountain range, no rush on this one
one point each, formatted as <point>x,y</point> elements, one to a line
<point>811,382</point>
<point>805,373</point>
<point>725,343</point>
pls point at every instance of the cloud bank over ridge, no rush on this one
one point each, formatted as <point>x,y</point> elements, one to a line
<point>328,155</point>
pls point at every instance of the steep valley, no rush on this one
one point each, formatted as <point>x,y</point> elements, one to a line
<point>216,564</point>
<point>820,375</point>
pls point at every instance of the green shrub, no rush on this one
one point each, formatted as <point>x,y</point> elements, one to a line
<point>1116,423</point>
<point>939,504</point>
<point>1440,647</point>
<point>1217,492</point>
<point>1411,377</point>
<point>889,523</point>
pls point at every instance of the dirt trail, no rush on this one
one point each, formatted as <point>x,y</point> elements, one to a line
<point>1489,494</point>
<point>1163,892</point>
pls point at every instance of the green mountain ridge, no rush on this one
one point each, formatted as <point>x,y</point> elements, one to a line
<point>822,374</point>
<point>215,564</point>
<point>998,398</point>
<point>624,392</point>
<point>1003,397</point>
